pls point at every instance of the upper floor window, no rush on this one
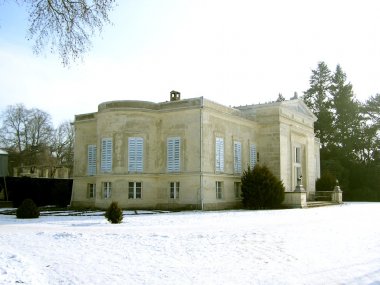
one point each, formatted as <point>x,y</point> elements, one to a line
<point>135,154</point>
<point>106,162</point>
<point>219,154</point>
<point>91,159</point>
<point>252,155</point>
<point>174,154</point>
<point>237,157</point>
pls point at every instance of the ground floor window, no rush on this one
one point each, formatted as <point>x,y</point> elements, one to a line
<point>174,190</point>
<point>237,188</point>
<point>91,190</point>
<point>107,188</point>
<point>134,190</point>
<point>219,189</point>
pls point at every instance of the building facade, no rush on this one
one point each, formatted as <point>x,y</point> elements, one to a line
<point>188,154</point>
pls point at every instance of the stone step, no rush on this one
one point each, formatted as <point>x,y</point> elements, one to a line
<point>313,204</point>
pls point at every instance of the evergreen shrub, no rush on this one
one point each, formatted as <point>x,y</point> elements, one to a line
<point>114,214</point>
<point>261,189</point>
<point>27,210</point>
<point>326,182</point>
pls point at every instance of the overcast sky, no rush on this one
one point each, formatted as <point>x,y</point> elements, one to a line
<point>234,52</point>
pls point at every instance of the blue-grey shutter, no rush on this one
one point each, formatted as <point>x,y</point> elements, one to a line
<point>135,154</point>
<point>219,154</point>
<point>174,154</point>
<point>91,159</point>
<point>237,157</point>
<point>106,163</point>
<point>139,154</point>
<point>252,155</point>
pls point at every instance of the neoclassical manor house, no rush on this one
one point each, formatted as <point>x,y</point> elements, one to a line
<point>189,153</point>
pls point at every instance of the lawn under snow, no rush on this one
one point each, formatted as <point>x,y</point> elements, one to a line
<point>328,245</point>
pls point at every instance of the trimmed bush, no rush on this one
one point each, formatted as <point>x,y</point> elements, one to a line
<point>27,210</point>
<point>261,189</point>
<point>326,182</point>
<point>114,214</point>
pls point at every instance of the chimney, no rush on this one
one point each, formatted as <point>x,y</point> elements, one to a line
<point>175,96</point>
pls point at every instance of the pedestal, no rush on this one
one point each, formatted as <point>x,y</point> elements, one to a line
<point>296,199</point>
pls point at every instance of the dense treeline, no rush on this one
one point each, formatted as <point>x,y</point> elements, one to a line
<point>349,133</point>
<point>30,138</point>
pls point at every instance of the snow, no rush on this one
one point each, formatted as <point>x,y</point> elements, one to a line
<point>326,245</point>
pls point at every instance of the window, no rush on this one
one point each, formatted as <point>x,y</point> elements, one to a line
<point>91,160</point>
<point>219,189</point>
<point>135,154</point>
<point>91,190</point>
<point>173,154</point>
<point>219,154</point>
<point>106,163</point>
<point>107,188</point>
<point>297,164</point>
<point>237,157</point>
<point>252,155</point>
<point>174,190</point>
<point>237,188</point>
<point>134,190</point>
<point>297,153</point>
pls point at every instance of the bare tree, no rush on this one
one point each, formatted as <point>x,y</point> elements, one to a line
<point>13,128</point>
<point>63,145</point>
<point>26,133</point>
<point>66,25</point>
<point>40,133</point>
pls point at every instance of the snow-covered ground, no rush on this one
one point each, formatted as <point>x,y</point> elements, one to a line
<point>328,245</point>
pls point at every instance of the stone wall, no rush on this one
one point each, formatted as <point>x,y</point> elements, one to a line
<point>275,129</point>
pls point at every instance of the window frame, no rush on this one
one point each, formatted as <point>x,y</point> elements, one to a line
<point>135,194</point>
<point>107,189</point>
<point>297,162</point>
<point>91,190</point>
<point>237,190</point>
<point>219,190</point>
<point>174,188</point>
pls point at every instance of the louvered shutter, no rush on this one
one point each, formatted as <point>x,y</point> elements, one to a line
<point>106,163</point>
<point>91,160</point>
<point>219,154</point>
<point>173,154</point>
<point>252,155</point>
<point>237,157</point>
<point>135,154</point>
